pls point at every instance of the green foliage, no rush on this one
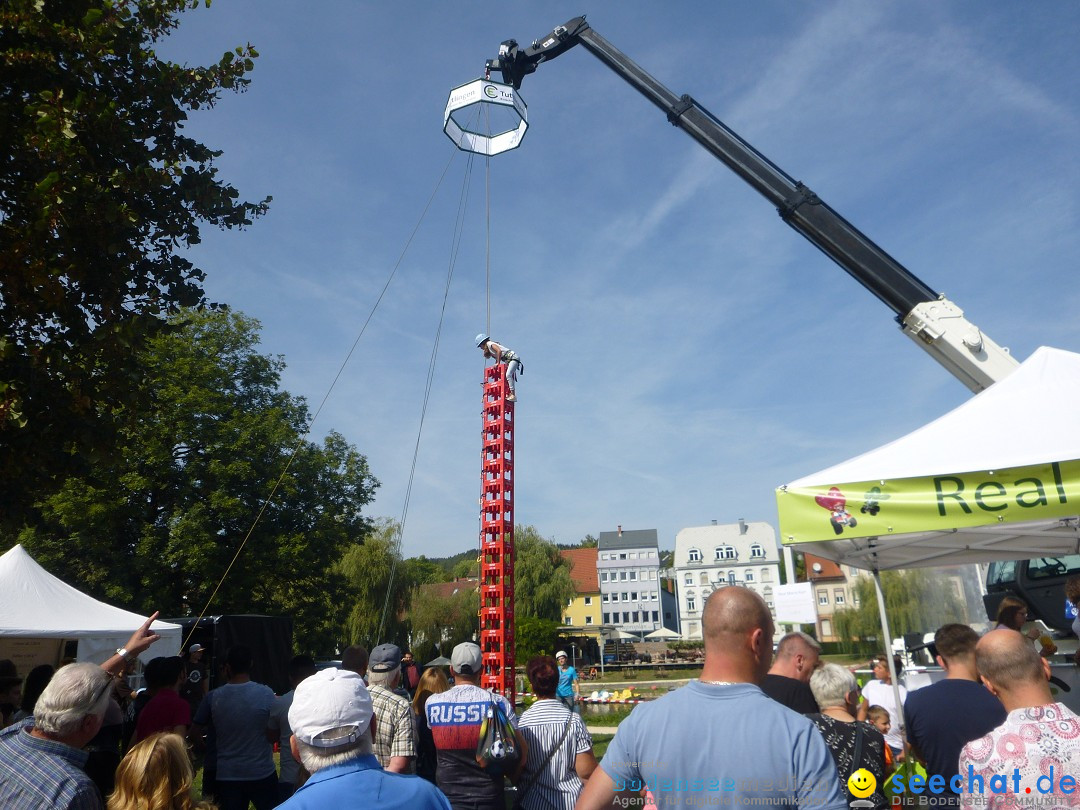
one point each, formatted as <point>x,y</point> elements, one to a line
<point>685,646</point>
<point>466,568</point>
<point>542,582</point>
<point>156,524</point>
<point>440,624</point>
<point>914,601</point>
<point>534,636</point>
<point>379,586</point>
<point>99,190</point>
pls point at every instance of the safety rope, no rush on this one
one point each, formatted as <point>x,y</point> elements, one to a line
<point>455,247</point>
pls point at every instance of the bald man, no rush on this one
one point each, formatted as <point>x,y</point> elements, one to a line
<point>788,681</point>
<point>720,736</point>
<point>1039,742</point>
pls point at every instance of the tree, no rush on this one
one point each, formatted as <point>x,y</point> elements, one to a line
<point>156,524</point>
<point>438,623</point>
<point>542,582</point>
<point>534,636</point>
<point>99,189</point>
<point>914,602</point>
<point>379,587</point>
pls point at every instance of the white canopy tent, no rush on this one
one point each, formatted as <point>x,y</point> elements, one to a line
<point>997,478</point>
<point>37,605</point>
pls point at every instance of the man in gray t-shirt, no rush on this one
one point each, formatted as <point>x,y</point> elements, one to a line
<point>240,711</point>
<point>719,740</point>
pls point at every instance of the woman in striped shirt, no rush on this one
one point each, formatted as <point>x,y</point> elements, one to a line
<point>560,755</point>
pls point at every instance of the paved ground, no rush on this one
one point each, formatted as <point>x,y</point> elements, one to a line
<point>600,729</point>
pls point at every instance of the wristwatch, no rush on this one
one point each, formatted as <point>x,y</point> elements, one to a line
<point>123,653</point>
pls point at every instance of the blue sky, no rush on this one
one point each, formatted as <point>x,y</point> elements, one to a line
<point>685,351</point>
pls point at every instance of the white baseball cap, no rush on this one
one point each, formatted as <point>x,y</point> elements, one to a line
<point>330,700</point>
<point>561,654</point>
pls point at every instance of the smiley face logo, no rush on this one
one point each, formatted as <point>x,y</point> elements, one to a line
<point>861,783</point>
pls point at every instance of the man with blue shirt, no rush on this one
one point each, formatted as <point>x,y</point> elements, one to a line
<point>944,717</point>
<point>720,740</point>
<point>568,689</point>
<point>239,711</point>
<point>331,719</point>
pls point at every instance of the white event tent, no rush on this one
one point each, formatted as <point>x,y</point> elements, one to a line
<point>36,605</point>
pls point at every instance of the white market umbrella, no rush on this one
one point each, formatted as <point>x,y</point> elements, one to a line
<point>663,633</point>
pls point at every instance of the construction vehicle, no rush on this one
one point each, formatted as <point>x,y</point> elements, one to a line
<point>934,322</point>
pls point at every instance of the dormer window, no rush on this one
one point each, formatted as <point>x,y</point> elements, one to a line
<point>725,553</point>
<point>757,551</point>
<point>695,555</point>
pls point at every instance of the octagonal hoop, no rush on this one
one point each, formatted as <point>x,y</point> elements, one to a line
<point>482,91</point>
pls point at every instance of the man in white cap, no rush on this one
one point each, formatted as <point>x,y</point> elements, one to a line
<point>454,718</point>
<point>332,721</point>
<point>568,691</point>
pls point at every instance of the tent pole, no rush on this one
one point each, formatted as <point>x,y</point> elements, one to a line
<point>889,655</point>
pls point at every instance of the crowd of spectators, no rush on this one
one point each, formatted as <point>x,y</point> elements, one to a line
<point>757,728</point>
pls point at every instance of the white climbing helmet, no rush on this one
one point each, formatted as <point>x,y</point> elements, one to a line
<point>481,339</point>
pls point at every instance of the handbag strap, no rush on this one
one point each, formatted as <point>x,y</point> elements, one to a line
<point>856,763</point>
<point>523,792</point>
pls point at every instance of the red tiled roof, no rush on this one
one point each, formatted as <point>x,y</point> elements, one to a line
<point>444,590</point>
<point>829,569</point>
<point>583,568</point>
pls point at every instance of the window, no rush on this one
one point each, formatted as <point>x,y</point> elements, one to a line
<point>633,596</point>
<point>652,555</point>
<point>757,552</point>
<point>588,600</point>
<point>567,620</point>
<point>691,604</point>
<point>604,598</point>
<point>725,553</point>
<point>614,597</point>
<point>695,555</point>
<point>731,577</point>
<point>767,590</point>
<point>748,576</point>
<point>692,629</point>
<point>769,605</point>
<point>653,596</point>
<point>636,617</point>
<point>603,576</point>
<point>632,555</point>
<point>633,576</point>
<point>569,602</point>
<point>652,575</point>
<point>826,628</point>
<point>603,556</point>
<point>766,575</point>
<point>704,579</point>
<point>622,576</point>
<point>656,616</point>
<point>838,596</point>
<point>622,555</point>
<point>823,597</point>
<point>626,617</point>
<point>588,620</point>
<point>688,579</point>
<point>607,618</point>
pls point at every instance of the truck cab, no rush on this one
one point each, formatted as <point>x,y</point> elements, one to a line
<point>1040,582</point>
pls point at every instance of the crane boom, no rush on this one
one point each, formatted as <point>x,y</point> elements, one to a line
<point>933,321</point>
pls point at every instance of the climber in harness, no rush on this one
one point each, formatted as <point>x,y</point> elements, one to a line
<point>501,354</point>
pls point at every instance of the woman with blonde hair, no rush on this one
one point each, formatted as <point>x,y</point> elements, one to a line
<point>432,682</point>
<point>156,774</point>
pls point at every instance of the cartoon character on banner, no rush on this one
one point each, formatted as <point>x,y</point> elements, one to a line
<point>836,503</point>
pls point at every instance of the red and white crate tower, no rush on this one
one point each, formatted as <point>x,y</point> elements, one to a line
<point>497,536</point>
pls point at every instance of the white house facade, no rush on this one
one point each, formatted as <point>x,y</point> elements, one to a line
<point>628,566</point>
<point>711,557</point>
